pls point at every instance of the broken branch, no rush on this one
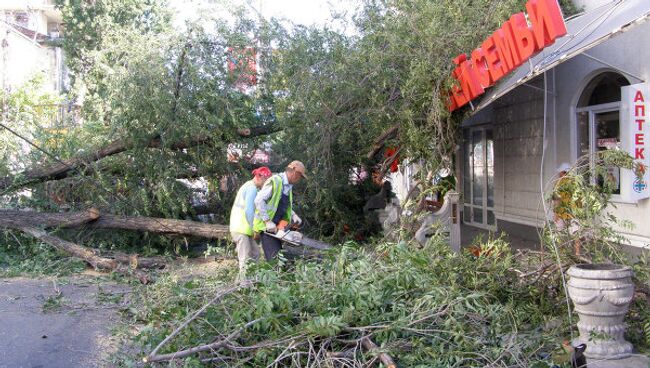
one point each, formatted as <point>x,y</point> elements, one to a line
<point>92,219</point>
<point>83,253</point>
<point>385,359</point>
<point>379,141</point>
<point>152,357</point>
<point>62,169</point>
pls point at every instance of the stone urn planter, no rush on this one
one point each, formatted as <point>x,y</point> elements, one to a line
<point>601,294</point>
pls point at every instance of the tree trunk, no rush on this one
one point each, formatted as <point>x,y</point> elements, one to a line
<point>92,219</point>
<point>161,226</point>
<point>13,219</point>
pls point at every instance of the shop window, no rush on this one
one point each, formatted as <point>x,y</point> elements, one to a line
<point>598,125</point>
<point>478,177</point>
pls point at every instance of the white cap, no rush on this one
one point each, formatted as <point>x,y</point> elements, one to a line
<point>564,167</point>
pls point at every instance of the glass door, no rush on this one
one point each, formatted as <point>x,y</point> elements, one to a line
<point>599,130</point>
<point>478,178</point>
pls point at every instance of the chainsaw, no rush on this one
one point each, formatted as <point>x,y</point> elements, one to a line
<point>290,234</point>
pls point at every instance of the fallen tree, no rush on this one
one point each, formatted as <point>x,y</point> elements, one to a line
<point>31,222</point>
<point>91,219</point>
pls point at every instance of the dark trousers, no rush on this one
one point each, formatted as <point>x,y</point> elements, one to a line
<point>271,246</point>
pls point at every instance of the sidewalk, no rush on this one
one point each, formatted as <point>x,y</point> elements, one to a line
<point>635,361</point>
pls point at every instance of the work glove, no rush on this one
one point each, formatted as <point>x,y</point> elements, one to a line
<point>296,219</point>
<point>270,227</point>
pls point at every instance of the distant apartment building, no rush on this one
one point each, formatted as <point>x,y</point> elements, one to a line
<point>29,31</point>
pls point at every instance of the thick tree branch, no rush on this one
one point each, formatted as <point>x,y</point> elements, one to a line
<point>62,169</point>
<point>83,253</point>
<point>93,220</point>
<point>379,142</point>
<point>385,359</point>
<point>13,218</point>
<point>161,226</point>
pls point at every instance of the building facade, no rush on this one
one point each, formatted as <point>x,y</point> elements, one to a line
<point>29,31</point>
<point>566,102</point>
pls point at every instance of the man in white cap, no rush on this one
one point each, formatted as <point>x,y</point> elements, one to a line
<point>274,203</point>
<point>242,218</point>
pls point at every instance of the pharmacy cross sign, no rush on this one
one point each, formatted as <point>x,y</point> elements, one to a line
<point>639,185</point>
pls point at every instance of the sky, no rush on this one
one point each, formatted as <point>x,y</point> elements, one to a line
<point>305,12</point>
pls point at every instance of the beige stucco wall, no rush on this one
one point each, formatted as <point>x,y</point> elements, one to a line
<point>516,120</point>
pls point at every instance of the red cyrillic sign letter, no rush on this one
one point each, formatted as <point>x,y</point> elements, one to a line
<point>546,19</point>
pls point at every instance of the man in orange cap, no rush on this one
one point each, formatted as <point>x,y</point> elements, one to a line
<point>242,219</point>
<point>274,203</point>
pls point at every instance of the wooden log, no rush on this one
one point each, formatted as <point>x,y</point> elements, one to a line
<point>83,253</point>
<point>14,218</point>
<point>93,220</point>
<point>161,226</point>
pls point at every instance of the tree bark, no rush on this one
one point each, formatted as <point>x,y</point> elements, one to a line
<point>83,253</point>
<point>378,144</point>
<point>385,359</point>
<point>92,219</point>
<point>12,218</point>
<point>161,226</point>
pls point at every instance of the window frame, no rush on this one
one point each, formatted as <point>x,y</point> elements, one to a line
<point>593,110</point>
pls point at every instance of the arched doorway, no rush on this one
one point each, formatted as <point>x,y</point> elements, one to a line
<point>598,118</point>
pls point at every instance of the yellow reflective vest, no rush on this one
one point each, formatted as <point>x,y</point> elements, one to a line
<point>272,204</point>
<point>238,221</point>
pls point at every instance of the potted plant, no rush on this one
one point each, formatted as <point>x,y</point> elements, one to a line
<point>583,232</point>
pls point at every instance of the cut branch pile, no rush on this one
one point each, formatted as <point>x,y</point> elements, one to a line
<point>357,308</point>
<point>228,341</point>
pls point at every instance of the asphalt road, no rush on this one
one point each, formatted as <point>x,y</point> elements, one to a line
<point>44,323</point>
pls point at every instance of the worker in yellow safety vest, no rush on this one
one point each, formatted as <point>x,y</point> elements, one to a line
<point>274,203</point>
<point>242,217</point>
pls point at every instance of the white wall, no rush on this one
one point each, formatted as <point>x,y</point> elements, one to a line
<point>627,52</point>
<point>21,59</point>
<point>518,120</point>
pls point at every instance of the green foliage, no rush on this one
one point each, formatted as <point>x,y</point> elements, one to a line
<point>29,110</point>
<point>581,203</point>
<point>88,22</point>
<point>20,255</point>
<point>341,92</point>
<point>424,306</point>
